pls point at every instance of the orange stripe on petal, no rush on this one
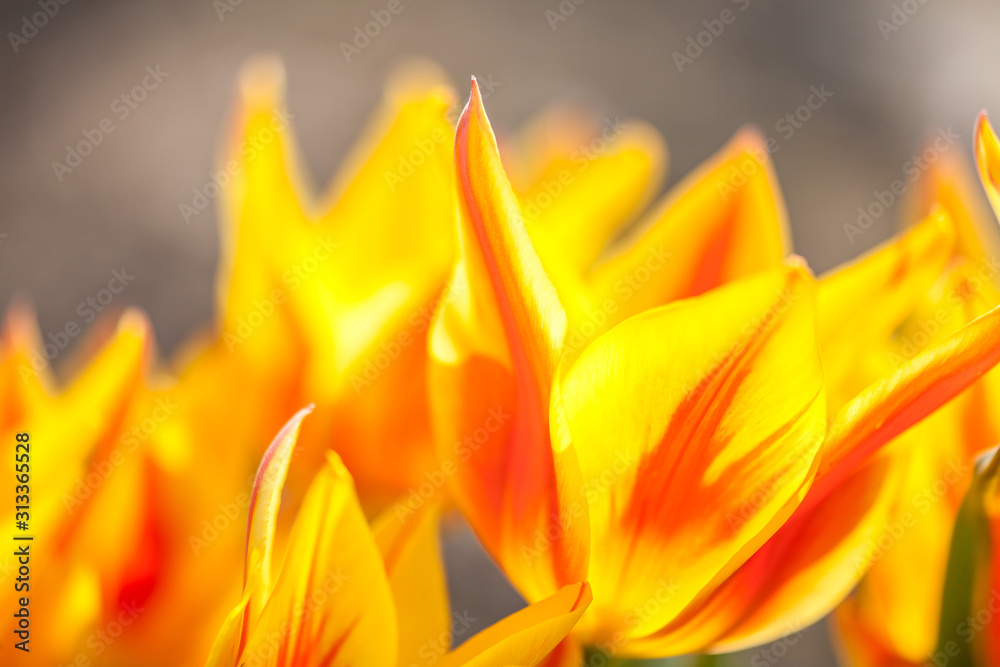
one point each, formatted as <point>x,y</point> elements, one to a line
<point>263,511</point>
<point>697,426</point>
<point>724,221</point>
<point>496,346</point>
<point>860,305</point>
<point>891,406</point>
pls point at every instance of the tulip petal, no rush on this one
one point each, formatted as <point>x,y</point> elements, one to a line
<point>988,160</point>
<point>887,613</point>
<point>821,548</point>
<point>382,250</point>
<point>229,641</point>
<point>888,408</point>
<point>582,200</point>
<point>526,637</point>
<point>23,387</point>
<point>691,460</point>
<point>495,347</point>
<point>813,561</point>
<point>408,543</point>
<point>860,305</point>
<point>331,603</point>
<point>263,512</point>
<point>950,184</point>
<point>722,222</point>
<point>265,188</point>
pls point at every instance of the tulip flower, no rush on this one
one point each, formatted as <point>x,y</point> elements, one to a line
<point>92,515</point>
<point>681,461</point>
<point>328,298</point>
<point>347,594</point>
<point>892,619</point>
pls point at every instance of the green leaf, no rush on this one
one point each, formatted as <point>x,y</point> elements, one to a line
<point>970,551</point>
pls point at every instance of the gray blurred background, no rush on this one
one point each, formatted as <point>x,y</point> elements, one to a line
<point>59,241</point>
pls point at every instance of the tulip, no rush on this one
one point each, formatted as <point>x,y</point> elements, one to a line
<point>681,461</point>
<point>92,515</point>
<point>328,298</point>
<point>347,594</point>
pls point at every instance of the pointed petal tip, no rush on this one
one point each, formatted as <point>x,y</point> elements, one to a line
<point>21,315</point>
<point>262,76</point>
<point>20,326</point>
<point>134,323</point>
<point>987,143</point>
<point>983,118</point>
<point>751,140</point>
<point>799,268</point>
<point>749,136</point>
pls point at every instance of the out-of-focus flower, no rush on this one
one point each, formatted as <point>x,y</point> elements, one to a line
<point>94,514</point>
<point>328,299</point>
<point>349,595</point>
<point>681,461</point>
<point>893,617</point>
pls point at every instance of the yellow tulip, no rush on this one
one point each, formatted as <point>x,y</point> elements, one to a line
<point>347,594</point>
<point>94,516</point>
<point>680,461</point>
<point>328,298</point>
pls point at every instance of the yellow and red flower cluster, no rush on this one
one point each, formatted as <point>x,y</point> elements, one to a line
<point>675,440</point>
